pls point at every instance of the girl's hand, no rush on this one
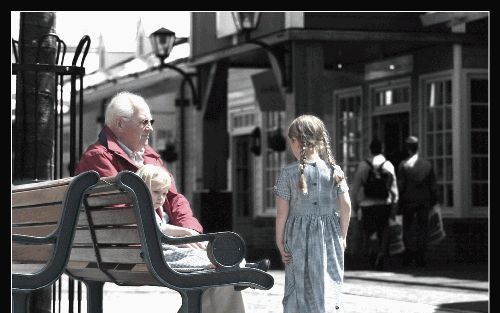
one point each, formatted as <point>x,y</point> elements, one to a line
<point>286,257</point>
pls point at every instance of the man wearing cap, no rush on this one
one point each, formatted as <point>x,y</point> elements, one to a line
<point>417,194</point>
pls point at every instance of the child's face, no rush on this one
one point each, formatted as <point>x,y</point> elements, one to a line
<point>295,145</point>
<point>158,193</point>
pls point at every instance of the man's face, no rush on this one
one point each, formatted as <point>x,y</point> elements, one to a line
<point>136,129</point>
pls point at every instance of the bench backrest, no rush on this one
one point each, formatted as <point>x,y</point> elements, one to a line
<point>107,245</point>
<point>44,216</point>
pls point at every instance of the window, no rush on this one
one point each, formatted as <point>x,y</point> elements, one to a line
<point>438,135</point>
<point>348,108</point>
<point>479,125</point>
<point>273,161</point>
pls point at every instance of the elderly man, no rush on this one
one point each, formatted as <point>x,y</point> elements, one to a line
<point>123,145</point>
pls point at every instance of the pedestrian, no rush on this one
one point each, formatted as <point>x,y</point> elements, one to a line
<point>122,145</point>
<point>418,194</point>
<point>375,201</point>
<point>313,212</point>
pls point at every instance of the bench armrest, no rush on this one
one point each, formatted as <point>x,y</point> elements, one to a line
<point>224,249</point>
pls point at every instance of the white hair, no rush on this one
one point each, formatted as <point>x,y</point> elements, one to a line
<point>122,105</point>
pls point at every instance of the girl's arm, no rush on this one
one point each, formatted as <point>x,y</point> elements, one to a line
<point>344,203</point>
<point>178,231</point>
<point>281,216</point>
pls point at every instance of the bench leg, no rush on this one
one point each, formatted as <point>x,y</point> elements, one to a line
<point>21,301</point>
<point>191,301</point>
<point>94,296</point>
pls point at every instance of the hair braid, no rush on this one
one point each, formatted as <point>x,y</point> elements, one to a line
<point>337,177</point>
<point>302,165</point>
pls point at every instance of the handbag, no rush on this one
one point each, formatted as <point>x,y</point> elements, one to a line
<point>436,231</point>
<point>396,244</point>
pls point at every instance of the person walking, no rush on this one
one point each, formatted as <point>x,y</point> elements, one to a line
<point>313,213</point>
<point>418,194</point>
<point>375,201</point>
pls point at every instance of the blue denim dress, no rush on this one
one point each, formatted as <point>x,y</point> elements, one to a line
<point>314,278</point>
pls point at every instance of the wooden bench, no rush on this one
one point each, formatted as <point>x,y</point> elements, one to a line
<point>117,240</point>
<point>44,217</point>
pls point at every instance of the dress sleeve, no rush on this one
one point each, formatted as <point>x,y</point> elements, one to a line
<point>282,186</point>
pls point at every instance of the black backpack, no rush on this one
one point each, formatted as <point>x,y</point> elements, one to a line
<point>378,183</point>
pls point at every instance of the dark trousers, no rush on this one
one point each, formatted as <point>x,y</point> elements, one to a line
<point>375,219</point>
<point>415,226</point>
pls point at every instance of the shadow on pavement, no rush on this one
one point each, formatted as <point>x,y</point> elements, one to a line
<point>455,270</point>
<point>473,306</point>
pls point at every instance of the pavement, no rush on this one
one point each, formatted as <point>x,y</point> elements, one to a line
<point>436,288</point>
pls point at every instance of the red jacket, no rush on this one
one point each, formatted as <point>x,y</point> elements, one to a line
<point>107,158</point>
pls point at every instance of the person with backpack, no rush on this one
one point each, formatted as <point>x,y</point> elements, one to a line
<point>374,198</point>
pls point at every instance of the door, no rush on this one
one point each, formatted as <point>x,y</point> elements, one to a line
<point>392,130</point>
<point>242,177</point>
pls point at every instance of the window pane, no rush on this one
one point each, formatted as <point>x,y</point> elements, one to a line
<point>439,169</point>
<point>439,94</point>
<point>447,117</point>
<point>479,142</point>
<point>479,168</point>
<point>439,118</point>
<point>430,145</point>
<point>449,169</point>
<point>447,91</point>
<point>479,116</point>
<point>447,144</point>
<point>449,195</point>
<point>479,90</point>
<point>480,194</point>
<point>430,120</point>
<point>439,144</point>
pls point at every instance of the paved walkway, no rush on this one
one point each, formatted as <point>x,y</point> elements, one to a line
<point>462,288</point>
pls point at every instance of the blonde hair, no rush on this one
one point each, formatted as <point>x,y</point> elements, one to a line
<point>311,133</point>
<point>154,173</point>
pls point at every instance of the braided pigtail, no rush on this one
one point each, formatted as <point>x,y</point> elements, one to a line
<point>337,177</point>
<point>302,165</point>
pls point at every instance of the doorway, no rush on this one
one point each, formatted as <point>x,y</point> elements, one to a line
<point>392,130</point>
<point>242,177</point>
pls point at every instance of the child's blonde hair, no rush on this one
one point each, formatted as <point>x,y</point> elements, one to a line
<point>311,133</point>
<point>154,173</point>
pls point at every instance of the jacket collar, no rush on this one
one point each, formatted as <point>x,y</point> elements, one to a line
<point>108,139</point>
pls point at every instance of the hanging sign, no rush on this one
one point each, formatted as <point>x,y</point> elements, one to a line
<point>267,92</point>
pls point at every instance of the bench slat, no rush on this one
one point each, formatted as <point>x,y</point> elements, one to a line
<point>122,235</point>
<point>37,197</point>
<point>40,214</point>
<point>126,255</point>
<point>107,199</point>
<point>31,253</point>
<point>36,230</point>
<point>109,216</point>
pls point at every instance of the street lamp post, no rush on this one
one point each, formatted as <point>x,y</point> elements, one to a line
<point>162,41</point>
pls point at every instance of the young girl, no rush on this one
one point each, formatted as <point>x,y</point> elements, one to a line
<point>185,256</point>
<point>313,212</point>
